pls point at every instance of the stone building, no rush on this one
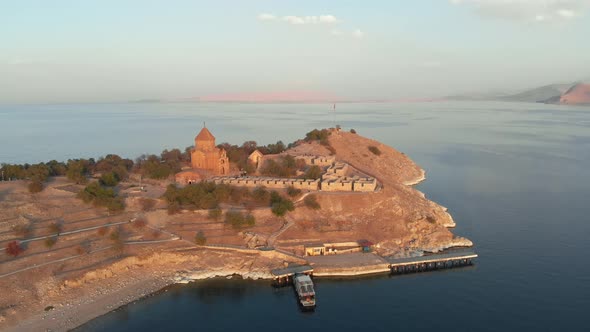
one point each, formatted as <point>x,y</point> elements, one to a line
<point>187,177</point>
<point>255,158</point>
<point>207,156</point>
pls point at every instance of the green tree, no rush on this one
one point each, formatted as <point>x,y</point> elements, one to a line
<point>13,171</point>
<point>237,219</point>
<point>38,172</point>
<point>279,205</point>
<point>314,172</point>
<point>50,241</point>
<point>109,179</point>
<point>77,171</point>
<point>317,135</point>
<point>56,168</point>
<point>104,197</point>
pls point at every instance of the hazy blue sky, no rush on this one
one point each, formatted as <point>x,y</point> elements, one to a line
<point>111,50</point>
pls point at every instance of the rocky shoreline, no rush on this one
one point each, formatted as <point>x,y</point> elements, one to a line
<point>96,302</point>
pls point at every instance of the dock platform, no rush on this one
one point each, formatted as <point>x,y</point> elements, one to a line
<point>431,262</point>
<point>284,276</point>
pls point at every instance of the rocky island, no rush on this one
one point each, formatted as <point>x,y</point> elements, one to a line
<point>76,248</point>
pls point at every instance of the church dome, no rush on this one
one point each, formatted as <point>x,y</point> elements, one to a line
<point>205,135</point>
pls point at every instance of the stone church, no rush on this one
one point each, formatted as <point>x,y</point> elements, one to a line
<point>206,160</point>
<point>207,156</point>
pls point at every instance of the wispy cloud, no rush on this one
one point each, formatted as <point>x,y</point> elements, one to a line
<point>267,17</point>
<point>528,10</point>
<point>300,20</point>
<point>325,20</point>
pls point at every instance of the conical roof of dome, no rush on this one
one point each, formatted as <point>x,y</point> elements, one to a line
<point>205,135</point>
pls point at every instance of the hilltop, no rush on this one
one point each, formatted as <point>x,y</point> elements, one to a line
<point>397,218</point>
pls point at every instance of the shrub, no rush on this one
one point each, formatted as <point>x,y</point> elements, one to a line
<point>352,131</point>
<point>312,202</point>
<point>55,228</point>
<point>317,135</point>
<point>99,196</point>
<point>23,230</point>
<point>102,231</point>
<point>286,166</point>
<point>157,168</point>
<point>260,194</point>
<point>250,220</point>
<point>50,241</point>
<point>214,214</point>
<point>375,150</point>
<point>115,235</point>
<point>38,173</point>
<point>203,195</point>
<point>35,186</point>
<point>279,205</point>
<point>293,192</point>
<point>77,170</point>
<point>314,172</point>
<point>84,248</point>
<point>13,248</point>
<point>200,238</point>
<point>116,205</point>
<point>238,220</point>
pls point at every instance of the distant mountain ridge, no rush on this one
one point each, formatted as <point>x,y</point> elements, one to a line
<point>571,94</point>
<point>578,94</point>
<point>539,94</point>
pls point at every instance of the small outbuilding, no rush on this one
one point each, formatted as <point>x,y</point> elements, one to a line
<point>366,245</point>
<point>255,158</point>
<point>187,177</point>
<point>314,249</point>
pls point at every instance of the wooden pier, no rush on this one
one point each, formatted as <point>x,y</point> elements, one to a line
<point>431,262</point>
<point>284,276</point>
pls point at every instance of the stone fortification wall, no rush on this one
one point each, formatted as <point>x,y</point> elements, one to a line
<point>338,169</point>
<point>334,179</point>
<point>321,161</point>
<point>365,184</point>
<point>337,185</point>
<point>269,182</point>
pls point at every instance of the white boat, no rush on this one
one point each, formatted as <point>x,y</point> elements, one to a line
<point>304,289</point>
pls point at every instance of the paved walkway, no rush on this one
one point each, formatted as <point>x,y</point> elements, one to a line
<point>354,259</point>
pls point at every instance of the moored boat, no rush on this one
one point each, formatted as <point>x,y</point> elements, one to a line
<point>305,292</point>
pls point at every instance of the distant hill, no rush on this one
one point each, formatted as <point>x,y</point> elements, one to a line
<point>578,94</point>
<point>536,95</point>
<point>571,94</point>
<point>272,97</point>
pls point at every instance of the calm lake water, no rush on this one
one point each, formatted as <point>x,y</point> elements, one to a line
<point>515,177</point>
